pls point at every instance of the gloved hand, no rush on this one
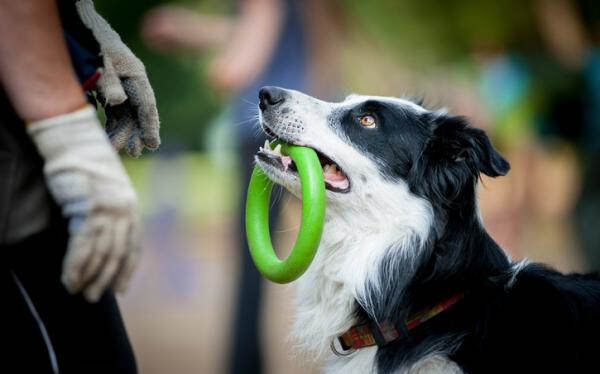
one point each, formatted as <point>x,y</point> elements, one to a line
<point>89,183</point>
<point>124,90</point>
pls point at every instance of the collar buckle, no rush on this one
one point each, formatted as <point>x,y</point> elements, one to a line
<point>343,352</point>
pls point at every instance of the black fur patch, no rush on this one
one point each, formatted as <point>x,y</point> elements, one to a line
<point>399,135</point>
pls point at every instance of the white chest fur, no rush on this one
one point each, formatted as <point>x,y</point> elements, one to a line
<point>363,362</point>
<point>354,242</point>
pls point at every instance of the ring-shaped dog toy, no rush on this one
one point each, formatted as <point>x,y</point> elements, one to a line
<point>311,226</point>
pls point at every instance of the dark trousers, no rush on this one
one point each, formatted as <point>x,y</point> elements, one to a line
<point>47,330</point>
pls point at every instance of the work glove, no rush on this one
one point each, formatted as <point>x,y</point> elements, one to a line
<point>88,181</point>
<point>123,88</point>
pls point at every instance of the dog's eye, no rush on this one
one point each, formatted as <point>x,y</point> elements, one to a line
<point>367,121</point>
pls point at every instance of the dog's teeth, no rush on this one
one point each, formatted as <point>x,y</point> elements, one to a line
<point>326,168</point>
<point>267,144</point>
<point>277,149</point>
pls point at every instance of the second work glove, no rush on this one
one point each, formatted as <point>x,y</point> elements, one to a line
<point>89,183</point>
<point>124,90</point>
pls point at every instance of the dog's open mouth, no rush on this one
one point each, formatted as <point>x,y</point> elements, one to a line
<point>335,178</point>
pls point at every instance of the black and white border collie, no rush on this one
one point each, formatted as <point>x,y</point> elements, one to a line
<point>403,233</point>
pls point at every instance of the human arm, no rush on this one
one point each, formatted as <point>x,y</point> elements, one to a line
<point>245,42</point>
<point>38,79</point>
<point>169,28</point>
<point>82,170</point>
<point>251,45</point>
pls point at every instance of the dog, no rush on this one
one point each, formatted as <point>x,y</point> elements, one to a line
<point>406,279</point>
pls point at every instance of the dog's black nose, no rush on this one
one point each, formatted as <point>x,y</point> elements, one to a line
<point>269,96</point>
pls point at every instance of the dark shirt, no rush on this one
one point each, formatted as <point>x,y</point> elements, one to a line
<point>26,207</point>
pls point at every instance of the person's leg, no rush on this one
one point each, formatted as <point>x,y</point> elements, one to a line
<point>83,337</point>
<point>25,346</point>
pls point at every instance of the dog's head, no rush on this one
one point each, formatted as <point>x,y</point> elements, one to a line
<point>397,175</point>
<point>368,145</point>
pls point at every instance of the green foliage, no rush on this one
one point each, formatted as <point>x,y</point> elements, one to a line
<point>441,30</point>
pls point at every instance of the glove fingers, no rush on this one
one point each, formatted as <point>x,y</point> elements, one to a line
<point>134,144</point>
<point>109,84</point>
<point>120,124</point>
<point>112,115</point>
<point>94,291</point>
<point>78,252</point>
<point>123,131</point>
<point>127,271</point>
<point>142,98</point>
<point>100,249</point>
<point>130,263</point>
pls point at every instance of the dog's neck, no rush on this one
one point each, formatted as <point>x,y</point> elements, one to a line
<point>377,259</point>
<point>358,234</point>
<point>460,256</point>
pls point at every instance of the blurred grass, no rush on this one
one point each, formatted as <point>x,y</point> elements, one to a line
<point>199,190</point>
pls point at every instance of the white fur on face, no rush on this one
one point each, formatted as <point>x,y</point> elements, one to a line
<point>375,217</point>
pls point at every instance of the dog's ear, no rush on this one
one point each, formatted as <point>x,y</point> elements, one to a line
<point>454,141</point>
<point>453,157</point>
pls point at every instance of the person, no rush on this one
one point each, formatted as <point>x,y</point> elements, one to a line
<point>69,229</point>
<point>263,44</point>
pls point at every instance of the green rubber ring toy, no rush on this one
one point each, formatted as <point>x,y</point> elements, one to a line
<point>311,226</point>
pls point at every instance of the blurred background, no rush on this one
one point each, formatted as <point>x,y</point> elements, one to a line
<point>526,71</point>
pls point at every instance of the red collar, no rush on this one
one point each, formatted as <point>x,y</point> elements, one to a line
<point>380,334</point>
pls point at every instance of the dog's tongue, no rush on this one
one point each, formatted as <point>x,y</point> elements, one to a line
<point>331,174</point>
<point>334,177</point>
